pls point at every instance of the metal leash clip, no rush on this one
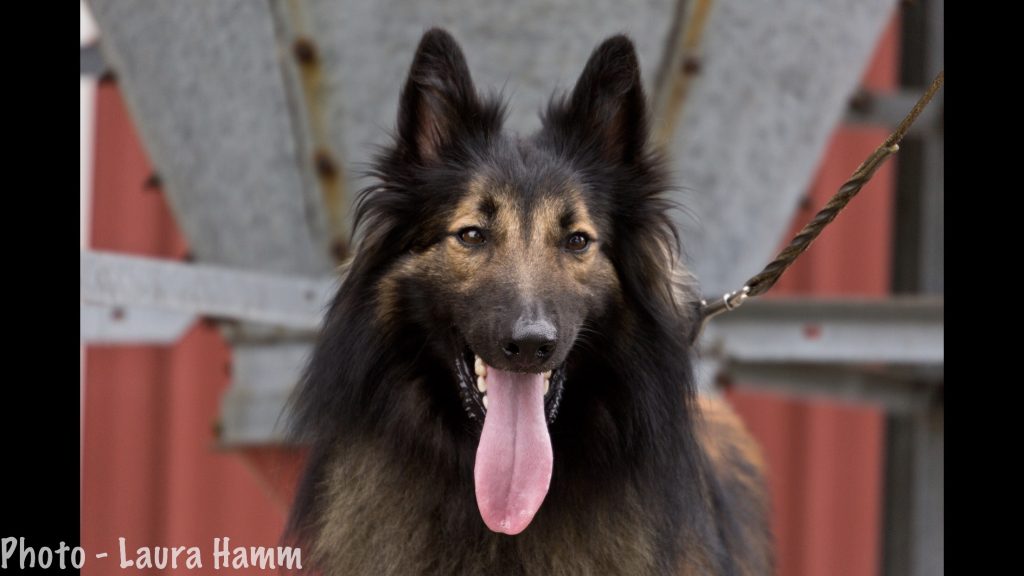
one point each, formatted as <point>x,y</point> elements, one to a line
<point>708,310</point>
<point>735,299</point>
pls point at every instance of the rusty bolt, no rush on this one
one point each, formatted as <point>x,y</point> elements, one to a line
<point>305,51</point>
<point>812,331</point>
<point>325,165</point>
<point>806,203</point>
<point>117,313</point>
<point>862,101</point>
<point>691,65</point>
<point>153,183</point>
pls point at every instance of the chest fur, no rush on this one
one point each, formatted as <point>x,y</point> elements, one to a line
<point>378,518</point>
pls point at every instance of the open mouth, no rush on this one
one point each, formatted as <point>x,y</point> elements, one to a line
<point>514,458</point>
<point>471,371</point>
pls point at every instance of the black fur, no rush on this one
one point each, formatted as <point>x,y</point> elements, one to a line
<point>629,430</point>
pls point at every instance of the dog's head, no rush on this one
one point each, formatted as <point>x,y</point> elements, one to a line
<point>508,252</point>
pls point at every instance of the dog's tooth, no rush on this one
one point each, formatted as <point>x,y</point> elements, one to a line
<point>547,385</point>
<point>481,383</point>
<point>485,402</point>
<point>547,375</point>
<point>479,367</point>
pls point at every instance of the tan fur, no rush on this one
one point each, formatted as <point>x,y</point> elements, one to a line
<point>724,437</point>
<point>738,470</point>
<point>387,294</point>
<point>381,520</point>
<point>367,528</point>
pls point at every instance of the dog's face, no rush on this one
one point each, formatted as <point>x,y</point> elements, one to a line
<point>506,249</point>
<point>516,271</point>
<point>525,266</point>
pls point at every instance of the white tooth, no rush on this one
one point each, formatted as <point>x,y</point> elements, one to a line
<point>481,383</point>
<point>479,367</point>
<point>485,402</point>
<point>547,385</point>
<point>547,375</point>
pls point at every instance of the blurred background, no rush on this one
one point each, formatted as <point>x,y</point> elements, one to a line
<point>222,143</point>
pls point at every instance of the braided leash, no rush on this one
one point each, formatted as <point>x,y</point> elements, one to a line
<point>766,278</point>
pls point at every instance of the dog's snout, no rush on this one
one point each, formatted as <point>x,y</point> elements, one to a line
<point>531,344</point>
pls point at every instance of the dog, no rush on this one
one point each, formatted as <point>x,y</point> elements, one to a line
<point>503,382</point>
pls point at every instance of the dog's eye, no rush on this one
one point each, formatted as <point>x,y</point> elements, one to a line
<point>471,236</point>
<point>577,242</point>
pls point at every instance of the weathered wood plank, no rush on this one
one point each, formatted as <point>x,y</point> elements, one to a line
<point>206,86</point>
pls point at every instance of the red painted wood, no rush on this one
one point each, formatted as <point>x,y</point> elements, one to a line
<point>151,472</point>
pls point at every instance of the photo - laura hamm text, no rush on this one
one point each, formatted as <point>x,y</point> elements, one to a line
<point>14,552</point>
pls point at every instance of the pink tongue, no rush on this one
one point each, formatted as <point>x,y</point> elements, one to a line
<point>513,460</point>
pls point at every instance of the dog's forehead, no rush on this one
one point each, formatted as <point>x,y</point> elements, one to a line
<point>546,196</point>
<point>516,183</point>
<point>521,166</point>
<point>525,186</point>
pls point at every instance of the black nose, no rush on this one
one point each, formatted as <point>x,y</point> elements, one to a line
<point>532,343</point>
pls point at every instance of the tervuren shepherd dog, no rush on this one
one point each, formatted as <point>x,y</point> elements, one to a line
<point>503,382</point>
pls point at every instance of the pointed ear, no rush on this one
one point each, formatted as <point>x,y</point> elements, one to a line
<point>607,108</point>
<point>439,100</point>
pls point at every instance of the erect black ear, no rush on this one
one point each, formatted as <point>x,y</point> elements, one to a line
<point>607,108</point>
<point>439,100</point>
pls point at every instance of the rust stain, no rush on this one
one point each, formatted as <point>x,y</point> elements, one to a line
<point>328,170</point>
<point>688,67</point>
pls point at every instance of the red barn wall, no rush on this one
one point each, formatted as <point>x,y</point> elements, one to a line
<point>151,472</point>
